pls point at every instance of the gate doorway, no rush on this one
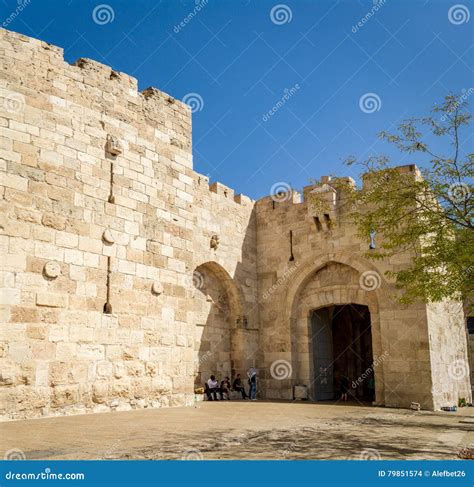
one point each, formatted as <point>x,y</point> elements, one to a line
<point>341,345</point>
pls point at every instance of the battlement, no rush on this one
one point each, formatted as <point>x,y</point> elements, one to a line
<point>324,187</point>
<point>88,83</point>
<point>221,190</point>
<point>407,169</point>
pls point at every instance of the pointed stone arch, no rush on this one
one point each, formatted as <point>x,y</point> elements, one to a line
<point>231,287</point>
<point>218,311</point>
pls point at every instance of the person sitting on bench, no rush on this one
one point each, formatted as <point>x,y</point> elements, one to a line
<point>239,387</point>
<point>212,388</point>
<point>225,388</point>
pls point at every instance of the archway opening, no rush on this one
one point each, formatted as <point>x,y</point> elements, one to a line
<point>215,309</point>
<point>341,346</point>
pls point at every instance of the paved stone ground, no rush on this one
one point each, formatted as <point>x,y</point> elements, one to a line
<point>245,430</point>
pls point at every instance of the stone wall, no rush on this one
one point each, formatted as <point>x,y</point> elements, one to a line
<point>471,360</point>
<point>126,279</point>
<point>81,218</point>
<point>61,353</point>
<point>229,218</point>
<point>449,354</point>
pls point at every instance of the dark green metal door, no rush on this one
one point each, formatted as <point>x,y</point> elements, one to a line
<point>323,358</point>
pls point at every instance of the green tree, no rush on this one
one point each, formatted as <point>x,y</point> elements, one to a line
<point>427,212</point>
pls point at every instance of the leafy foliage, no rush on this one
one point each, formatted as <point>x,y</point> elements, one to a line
<point>425,213</point>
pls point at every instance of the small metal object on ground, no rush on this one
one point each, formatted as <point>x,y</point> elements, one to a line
<point>416,406</point>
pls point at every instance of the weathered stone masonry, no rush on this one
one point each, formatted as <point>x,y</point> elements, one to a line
<point>125,278</point>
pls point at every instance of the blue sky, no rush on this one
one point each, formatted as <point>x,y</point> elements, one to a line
<point>236,60</point>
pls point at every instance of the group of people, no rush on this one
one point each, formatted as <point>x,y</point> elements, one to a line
<point>223,389</point>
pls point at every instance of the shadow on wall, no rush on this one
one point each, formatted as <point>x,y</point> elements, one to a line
<point>225,309</point>
<point>213,312</point>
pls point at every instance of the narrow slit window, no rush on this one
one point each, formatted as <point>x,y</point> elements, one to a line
<point>327,220</point>
<point>319,227</point>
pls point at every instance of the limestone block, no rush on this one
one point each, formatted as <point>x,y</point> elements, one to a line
<point>19,352</point>
<point>113,352</point>
<point>54,221</point>
<point>59,372</point>
<point>90,351</point>
<point>104,369</point>
<point>7,375</point>
<point>119,370</point>
<point>100,392</point>
<point>64,396</point>
<point>9,296</point>
<point>121,389</point>
<point>65,351</point>
<point>27,215</point>
<point>36,331</point>
<point>51,300</point>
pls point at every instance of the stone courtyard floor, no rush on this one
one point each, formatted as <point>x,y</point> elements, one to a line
<point>245,430</point>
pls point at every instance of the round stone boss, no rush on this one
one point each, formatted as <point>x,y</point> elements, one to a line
<point>157,288</point>
<point>52,269</point>
<point>107,237</point>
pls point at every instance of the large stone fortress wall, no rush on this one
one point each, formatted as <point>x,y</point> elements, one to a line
<point>126,279</point>
<point>60,352</point>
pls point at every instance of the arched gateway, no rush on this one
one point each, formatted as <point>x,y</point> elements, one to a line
<point>217,309</point>
<point>334,317</point>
